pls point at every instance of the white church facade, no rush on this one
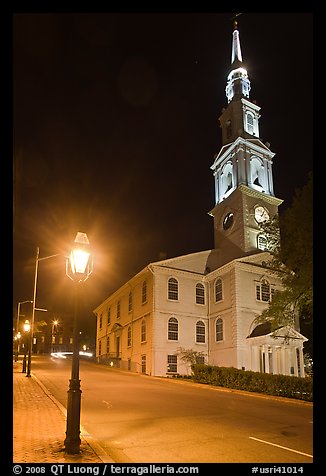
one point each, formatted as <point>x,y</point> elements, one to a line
<point>208,301</point>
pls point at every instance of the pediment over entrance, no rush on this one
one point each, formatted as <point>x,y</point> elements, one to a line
<point>116,327</point>
<point>263,334</point>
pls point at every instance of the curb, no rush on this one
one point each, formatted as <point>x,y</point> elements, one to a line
<point>92,442</point>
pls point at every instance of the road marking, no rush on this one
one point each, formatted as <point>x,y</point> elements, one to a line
<point>283,447</point>
<point>108,404</point>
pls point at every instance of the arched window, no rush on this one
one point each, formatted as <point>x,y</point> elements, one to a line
<point>143,331</point>
<point>200,293</point>
<point>227,178</point>
<point>218,290</point>
<point>173,289</point>
<point>200,332</point>
<point>256,169</point>
<point>250,123</point>
<point>264,291</point>
<point>173,329</point>
<point>144,292</point>
<point>219,330</point>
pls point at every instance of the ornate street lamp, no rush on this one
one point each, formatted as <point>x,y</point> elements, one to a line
<point>79,266</point>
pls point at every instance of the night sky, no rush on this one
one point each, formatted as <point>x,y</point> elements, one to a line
<point>116,126</point>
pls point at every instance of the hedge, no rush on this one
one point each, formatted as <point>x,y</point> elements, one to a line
<point>230,377</point>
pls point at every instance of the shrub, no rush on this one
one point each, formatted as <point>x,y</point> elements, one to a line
<point>230,377</point>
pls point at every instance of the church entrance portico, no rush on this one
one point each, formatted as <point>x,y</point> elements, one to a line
<point>278,352</point>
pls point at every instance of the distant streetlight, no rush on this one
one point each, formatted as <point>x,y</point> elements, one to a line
<point>17,328</point>
<point>37,259</point>
<point>18,313</point>
<point>53,333</point>
<point>27,328</point>
<point>17,340</point>
<point>79,266</point>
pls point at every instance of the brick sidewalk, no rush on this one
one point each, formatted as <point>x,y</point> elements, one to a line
<point>39,426</point>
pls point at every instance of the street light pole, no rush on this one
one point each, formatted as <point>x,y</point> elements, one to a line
<point>72,441</point>
<point>27,328</point>
<point>17,327</point>
<point>37,259</point>
<point>78,268</point>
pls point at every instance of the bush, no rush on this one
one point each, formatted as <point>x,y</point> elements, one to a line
<point>230,377</point>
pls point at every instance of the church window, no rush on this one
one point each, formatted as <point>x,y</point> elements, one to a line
<point>173,289</point>
<point>250,123</point>
<point>109,315</point>
<point>264,291</point>
<point>200,332</point>
<point>144,292</point>
<point>200,359</point>
<point>143,364</point>
<point>130,302</point>
<point>118,310</point>
<point>100,321</point>
<point>108,344</point>
<point>262,242</point>
<point>200,293</point>
<point>256,168</point>
<point>218,290</point>
<point>172,364</point>
<point>129,336</point>
<point>227,178</point>
<point>143,331</point>
<point>99,348</point>
<point>219,330</point>
<point>173,329</point>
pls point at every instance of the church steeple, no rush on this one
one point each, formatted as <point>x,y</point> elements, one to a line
<point>244,192</point>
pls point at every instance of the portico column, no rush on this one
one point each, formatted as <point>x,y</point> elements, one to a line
<point>302,373</point>
<point>265,347</point>
<point>274,357</point>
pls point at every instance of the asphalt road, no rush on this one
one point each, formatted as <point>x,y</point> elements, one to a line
<point>142,419</point>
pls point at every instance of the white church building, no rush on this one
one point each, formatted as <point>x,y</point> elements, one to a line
<point>208,301</point>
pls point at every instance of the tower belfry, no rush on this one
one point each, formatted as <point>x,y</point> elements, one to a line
<point>244,192</point>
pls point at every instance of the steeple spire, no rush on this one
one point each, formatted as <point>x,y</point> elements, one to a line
<point>236,50</point>
<point>238,84</point>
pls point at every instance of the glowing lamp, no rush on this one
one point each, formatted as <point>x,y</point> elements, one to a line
<point>79,265</point>
<point>27,326</point>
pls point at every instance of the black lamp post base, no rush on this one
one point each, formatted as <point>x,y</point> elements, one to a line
<point>72,445</point>
<point>24,364</point>
<point>72,441</point>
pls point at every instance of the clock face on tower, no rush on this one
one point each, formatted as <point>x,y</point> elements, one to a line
<point>228,221</point>
<point>261,214</point>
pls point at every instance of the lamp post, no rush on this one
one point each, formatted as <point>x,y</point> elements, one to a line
<point>30,345</point>
<point>17,340</point>
<point>17,327</point>
<point>53,333</point>
<point>27,328</point>
<point>78,268</point>
<point>37,259</point>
